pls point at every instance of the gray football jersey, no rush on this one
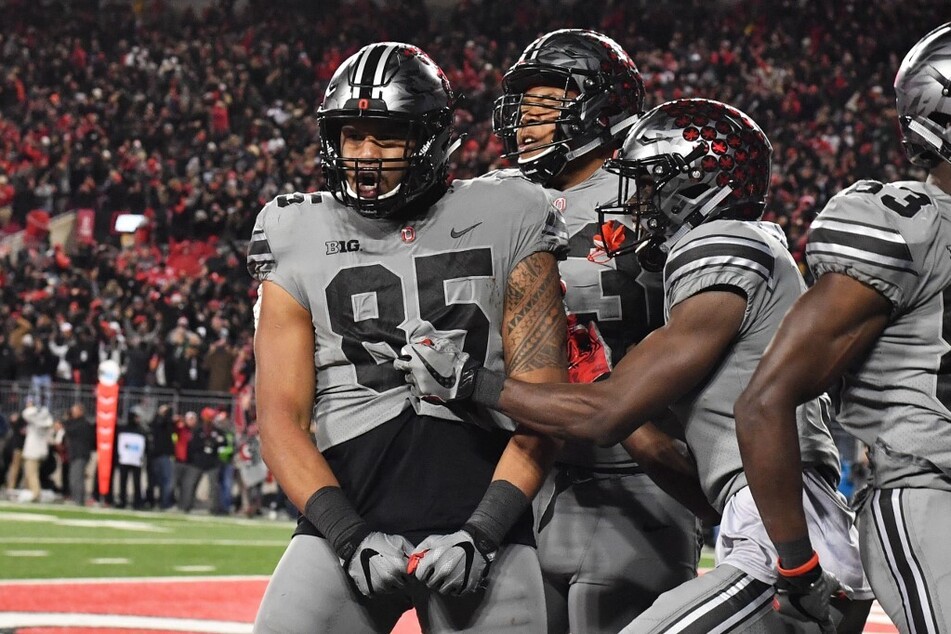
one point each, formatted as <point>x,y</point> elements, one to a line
<point>753,258</point>
<point>625,301</point>
<point>372,285</point>
<point>896,238</point>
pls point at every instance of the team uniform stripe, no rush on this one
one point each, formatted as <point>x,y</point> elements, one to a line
<point>858,228</point>
<point>893,536</point>
<point>715,253</point>
<point>739,602</point>
<point>842,252</point>
<point>358,72</point>
<point>258,247</point>
<point>893,250</point>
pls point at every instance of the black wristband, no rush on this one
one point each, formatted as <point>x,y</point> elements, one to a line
<point>795,553</point>
<point>487,387</point>
<point>501,506</point>
<point>329,510</point>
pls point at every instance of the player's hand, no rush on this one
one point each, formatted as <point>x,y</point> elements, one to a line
<point>378,564</point>
<point>806,597</point>
<point>436,370</point>
<point>451,564</point>
<point>588,354</point>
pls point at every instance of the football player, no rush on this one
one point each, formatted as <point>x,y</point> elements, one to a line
<point>610,541</point>
<point>693,175</point>
<point>877,320</point>
<point>403,503</point>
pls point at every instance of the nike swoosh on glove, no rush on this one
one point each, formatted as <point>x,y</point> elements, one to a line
<point>806,597</point>
<point>436,370</point>
<point>451,564</point>
<point>378,564</point>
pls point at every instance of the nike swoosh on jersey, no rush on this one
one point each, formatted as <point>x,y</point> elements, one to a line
<point>459,234</point>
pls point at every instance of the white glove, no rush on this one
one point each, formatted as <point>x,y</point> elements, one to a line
<point>451,564</point>
<point>436,370</point>
<point>378,564</point>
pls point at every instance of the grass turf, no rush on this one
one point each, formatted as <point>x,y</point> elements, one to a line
<point>63,542</point>
<point>67,542</point>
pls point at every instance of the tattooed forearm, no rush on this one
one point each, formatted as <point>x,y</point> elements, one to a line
<point>534,326</point>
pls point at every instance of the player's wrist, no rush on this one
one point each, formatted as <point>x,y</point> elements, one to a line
<point>501,506</point>
<point>804,574</point>
<point>329,510</point>
<point>794,553</point>
<point>487,387</point>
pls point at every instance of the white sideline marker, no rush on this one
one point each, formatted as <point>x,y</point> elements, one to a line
<point>11,620</point>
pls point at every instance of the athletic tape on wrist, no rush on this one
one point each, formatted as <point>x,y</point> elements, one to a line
<point>501,506</point>
<point>329,510</point>
<point>487,387</point>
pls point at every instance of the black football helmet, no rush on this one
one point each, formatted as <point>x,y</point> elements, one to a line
<point>683,163</point>
<point>923,91</point>
<point>397,83</point>
<point>610,96</point>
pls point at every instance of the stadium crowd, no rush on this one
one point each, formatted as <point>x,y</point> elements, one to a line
<point>195,120</point>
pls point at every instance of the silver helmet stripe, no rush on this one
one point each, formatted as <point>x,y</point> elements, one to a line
<point>380,68</point>
<point>532,51</point>
<point>355,85</point>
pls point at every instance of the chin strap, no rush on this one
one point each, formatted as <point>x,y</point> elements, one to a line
<point>700,215</point>
<point>608,135</point>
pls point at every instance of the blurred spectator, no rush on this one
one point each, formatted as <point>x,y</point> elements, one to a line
<point>14,450</point>
<point>218,363</point>
<point>252,472</point>
<point>5,435</point>
<point>41,365</point>
<point>161,455</point>
<point>203,460</point>
<point>184,430</point>
<point>80,436</point>
<point>36,446</point>
<point>130,458</point>
<point>7,358</point>
<point>226,456</point>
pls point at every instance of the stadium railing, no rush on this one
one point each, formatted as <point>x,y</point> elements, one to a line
<point>14,397</point>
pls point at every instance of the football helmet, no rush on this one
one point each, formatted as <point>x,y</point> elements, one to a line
<point>923,92</point>
<point>610,95</point>
<point>683,163</point>
<point>400,84</point>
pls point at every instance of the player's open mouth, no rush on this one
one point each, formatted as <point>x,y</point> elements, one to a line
<point>527,143</point>
<point>368,183</point>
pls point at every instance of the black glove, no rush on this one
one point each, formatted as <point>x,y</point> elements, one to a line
<point>804,593</point>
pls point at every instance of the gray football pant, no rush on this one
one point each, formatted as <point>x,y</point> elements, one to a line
<point>609,545</point>
<point>310,592</point>
<point>907,557</point>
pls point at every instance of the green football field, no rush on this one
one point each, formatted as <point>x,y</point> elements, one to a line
<point>58,541</point>
<point>62,542</point>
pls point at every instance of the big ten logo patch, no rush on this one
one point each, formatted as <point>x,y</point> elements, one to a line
<point>342,246</point>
